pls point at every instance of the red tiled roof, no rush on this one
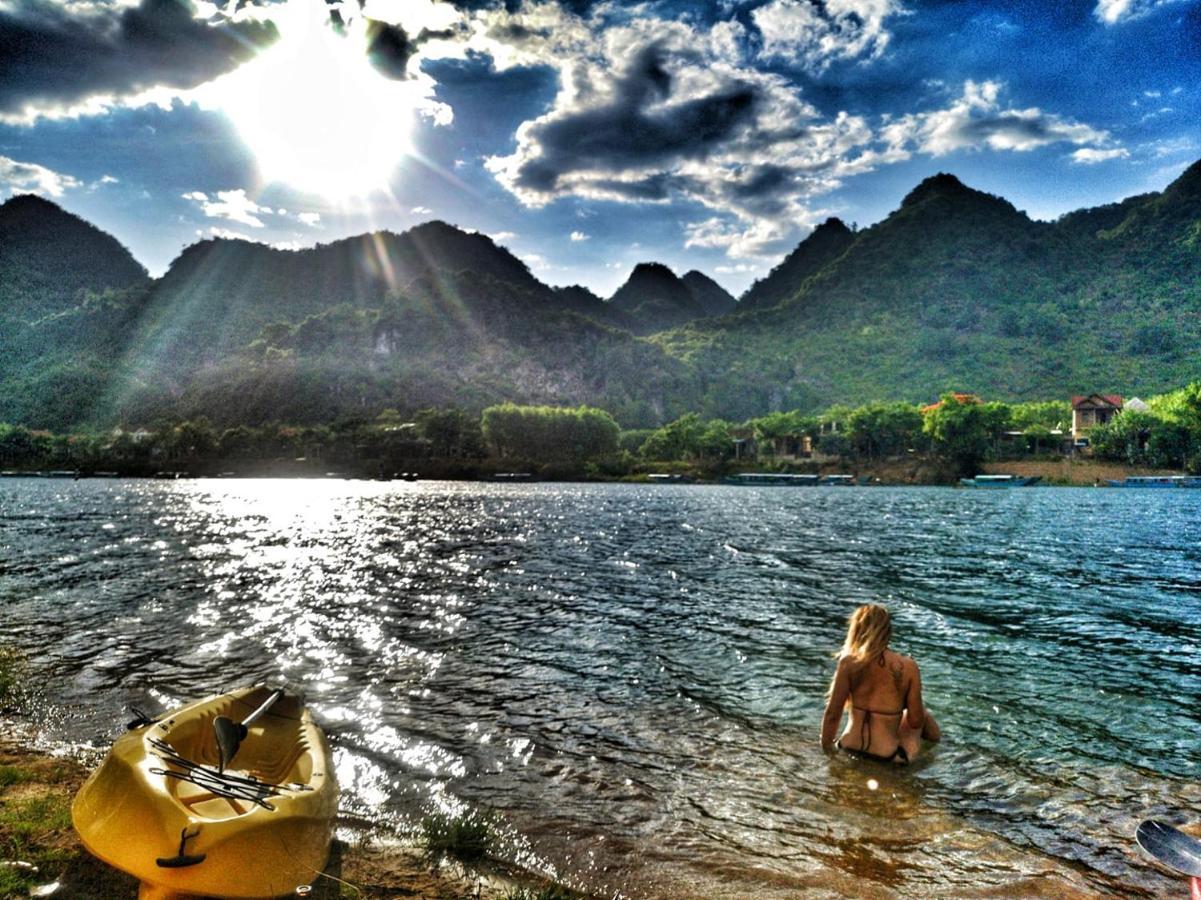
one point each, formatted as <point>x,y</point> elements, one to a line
<point>961,398</point>
<point>1114,400</point>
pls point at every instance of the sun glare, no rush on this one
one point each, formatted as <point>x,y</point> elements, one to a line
<point>314,111</point>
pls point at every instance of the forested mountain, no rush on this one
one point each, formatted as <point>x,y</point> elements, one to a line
<point>956,289</point>
<point>959,290</point>
<point>48,255</point>
<point>714,299</point>
<point>827,242</point>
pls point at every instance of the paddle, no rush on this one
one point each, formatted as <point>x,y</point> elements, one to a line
<point>230,734</point>
<point>1174,849</point>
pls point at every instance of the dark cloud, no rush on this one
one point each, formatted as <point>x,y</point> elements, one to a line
<point>51,57</point>
<point>389,48</point>
<point>624,133</point>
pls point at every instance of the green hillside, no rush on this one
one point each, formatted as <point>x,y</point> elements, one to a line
<point>955,290</point>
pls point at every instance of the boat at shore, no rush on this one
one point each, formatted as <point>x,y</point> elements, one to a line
<point>669,478</point>
<point>1156,481</point>
<point>231,796</point>
<point>775,479</point>
<point>1000,481</point>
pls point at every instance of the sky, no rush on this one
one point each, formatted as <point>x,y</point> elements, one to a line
<point>584,136</point>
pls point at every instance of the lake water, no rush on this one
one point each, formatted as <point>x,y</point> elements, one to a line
<point>632,676</point>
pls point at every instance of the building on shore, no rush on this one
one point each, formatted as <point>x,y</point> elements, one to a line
<point>1090,411</point>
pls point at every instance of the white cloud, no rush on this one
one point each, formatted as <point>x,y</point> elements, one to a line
<point>1114,12</point>
<point>312,219</point>
<point>232,205</point>
<point>976,120</point>
<point>420,211</point>
<point>813,35</point>
<point>29,178</point>
<point>498,236</point>
<point>1089,156</point>
<point>577,236</point>
<point>224,234</point>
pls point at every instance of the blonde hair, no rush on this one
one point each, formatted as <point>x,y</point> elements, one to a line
<point>869,629</point>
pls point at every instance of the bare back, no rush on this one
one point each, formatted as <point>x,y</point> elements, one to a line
<point>883,696</point>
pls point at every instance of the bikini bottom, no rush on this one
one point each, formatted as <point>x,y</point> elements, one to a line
<point>900,753</point>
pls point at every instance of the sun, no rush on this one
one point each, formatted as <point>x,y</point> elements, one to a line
<point>313,110</point>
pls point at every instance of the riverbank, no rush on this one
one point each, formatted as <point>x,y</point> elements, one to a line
<point>898,471</point>
<point>40,851</point>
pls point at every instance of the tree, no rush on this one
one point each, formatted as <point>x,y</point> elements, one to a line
<point>964,430</point>
<point>883,429</point>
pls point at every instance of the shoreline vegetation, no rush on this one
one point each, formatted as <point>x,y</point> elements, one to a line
<point>449,860</point>
<point>879,443</point>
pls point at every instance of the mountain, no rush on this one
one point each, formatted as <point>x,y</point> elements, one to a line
<point>827,242</point>
<point>246,286</point>
<point>48,255</point>
<point>956,289</point>
<point>654,298</point>
<point>709,295</point>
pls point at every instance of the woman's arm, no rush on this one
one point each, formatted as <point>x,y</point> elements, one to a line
<point>917,710</point>
<point>840,690</point>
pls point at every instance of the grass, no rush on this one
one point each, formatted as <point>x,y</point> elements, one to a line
<point>468,837</point>
<point>550,892</point>
<point>12,676</point>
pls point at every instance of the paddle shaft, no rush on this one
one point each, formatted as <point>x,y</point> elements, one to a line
<point>266,706</point>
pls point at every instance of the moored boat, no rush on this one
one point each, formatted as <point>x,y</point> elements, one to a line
<point>1000,481</point>
<point>187,812</point>
<point>839,480</point>
<point>1157,481</point>
<point>773,478</point>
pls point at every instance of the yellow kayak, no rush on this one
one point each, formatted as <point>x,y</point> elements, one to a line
<point>186,812</point>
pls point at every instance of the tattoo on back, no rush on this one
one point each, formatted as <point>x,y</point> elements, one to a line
<point>898,677</point>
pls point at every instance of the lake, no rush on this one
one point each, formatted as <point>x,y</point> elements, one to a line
<point>632,676</point>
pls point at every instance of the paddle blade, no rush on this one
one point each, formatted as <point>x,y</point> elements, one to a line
<point>1170,846</point>
<point>229,736</point>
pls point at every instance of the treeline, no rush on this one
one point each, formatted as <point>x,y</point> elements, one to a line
<point>1166,436</point>
<point>960,429</point>
<point>382,445</point>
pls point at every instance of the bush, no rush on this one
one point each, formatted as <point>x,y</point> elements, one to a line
<point>468,837</point>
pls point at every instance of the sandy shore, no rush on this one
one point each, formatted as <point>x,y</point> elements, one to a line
<point>40,850</point>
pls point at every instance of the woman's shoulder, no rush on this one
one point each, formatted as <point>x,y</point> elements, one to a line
<point>907,662</point>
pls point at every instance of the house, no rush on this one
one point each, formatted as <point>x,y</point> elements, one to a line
<point>959,398</point>
<point>1091,411</point>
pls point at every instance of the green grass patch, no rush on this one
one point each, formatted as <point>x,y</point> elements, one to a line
<point>468,837</point>
<point>550,892</point>
<point>12,676</point>
<point>10,775</point>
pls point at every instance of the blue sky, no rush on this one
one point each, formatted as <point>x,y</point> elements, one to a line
<point>586,137</point>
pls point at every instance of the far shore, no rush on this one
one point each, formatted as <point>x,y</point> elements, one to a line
<point>895,471</point>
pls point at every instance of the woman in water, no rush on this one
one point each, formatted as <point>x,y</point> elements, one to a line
<point>882,690</point>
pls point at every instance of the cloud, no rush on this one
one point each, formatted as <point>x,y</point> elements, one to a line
<point>62,60</point>
<point>577,236</point>
<point>225,234</point>
<point>976,120</point>
<point>1089,156</point>
<point>1114,12</point>
<point>420,211</point>
<point>814,34</point>
<point>312,219</point>
<point>232,205</point>
<point>498,236</point>
<point>655,111</point>
<point>30,178</point>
